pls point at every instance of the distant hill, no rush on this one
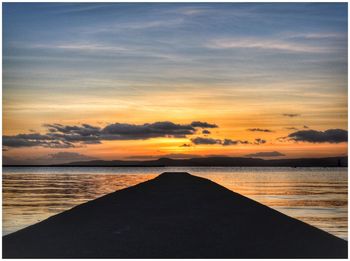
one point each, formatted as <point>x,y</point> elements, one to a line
<point>217,162</point>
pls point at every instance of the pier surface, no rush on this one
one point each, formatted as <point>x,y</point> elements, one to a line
<point>175,215</point>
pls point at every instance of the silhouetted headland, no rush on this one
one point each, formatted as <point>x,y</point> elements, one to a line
<point>175,215</point>
<point>211,162</point>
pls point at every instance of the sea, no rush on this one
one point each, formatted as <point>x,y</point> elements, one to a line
<point>317,196</point>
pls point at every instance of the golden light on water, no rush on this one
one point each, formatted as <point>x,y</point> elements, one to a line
<point>317,196</point>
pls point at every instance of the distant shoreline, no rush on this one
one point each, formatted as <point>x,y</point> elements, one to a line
<point>140,166</point>
<point>64,166</point>
<point>206,162</point>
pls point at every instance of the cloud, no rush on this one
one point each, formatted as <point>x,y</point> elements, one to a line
<point>259,141</point>
<point>205,132</point>
<point>135,25</point>
<point>83,47</point>
<point>186,145</point>
<point>291,115</point>
<point>33,140</point>
<point>266,154</point>
<point>314,136</point>
<point>292,128</point>
<point>79,7</point>
<point>84,129</point>
<point>317,36</point>
<point>228,142</point>
<point>190,10</point>
<point>68,136</point>
<point>211,141</point>
<point>281,45</point>
<point>125,131</point>
<point>201,124</point>
<point>306,127</point>
<point>259,130</point>
<point>200,141</point>
<point>91,142</point>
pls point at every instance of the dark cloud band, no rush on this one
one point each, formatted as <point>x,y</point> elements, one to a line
<point>66,136</point>
<point>211,141</point>
<point>259,130</point>
<point>291,115</point>
<point>314,136</point>
<point>201,124</point>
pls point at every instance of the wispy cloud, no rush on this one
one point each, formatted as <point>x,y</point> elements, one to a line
<point>85,49</point>
<point>81,47</point>
<point>265,44</point>
<point>317,36</point>
<point>192,10</point>
<point>291,115</point>
<point>64,8</point>
<point>259,130</point>
<point>133,25</point>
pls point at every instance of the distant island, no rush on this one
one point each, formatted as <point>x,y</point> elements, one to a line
<point>209,162</point>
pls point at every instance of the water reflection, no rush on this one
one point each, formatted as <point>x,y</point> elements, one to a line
<point>317,196</point>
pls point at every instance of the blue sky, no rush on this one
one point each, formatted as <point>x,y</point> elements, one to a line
<point>114,39</point>
<point>77,63</point>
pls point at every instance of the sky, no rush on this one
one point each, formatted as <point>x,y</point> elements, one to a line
<point>148,80</point>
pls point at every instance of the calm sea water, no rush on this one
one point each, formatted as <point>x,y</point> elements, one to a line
<point>317,196</point>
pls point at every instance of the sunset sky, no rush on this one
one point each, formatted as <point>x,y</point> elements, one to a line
<point>140,81</point>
